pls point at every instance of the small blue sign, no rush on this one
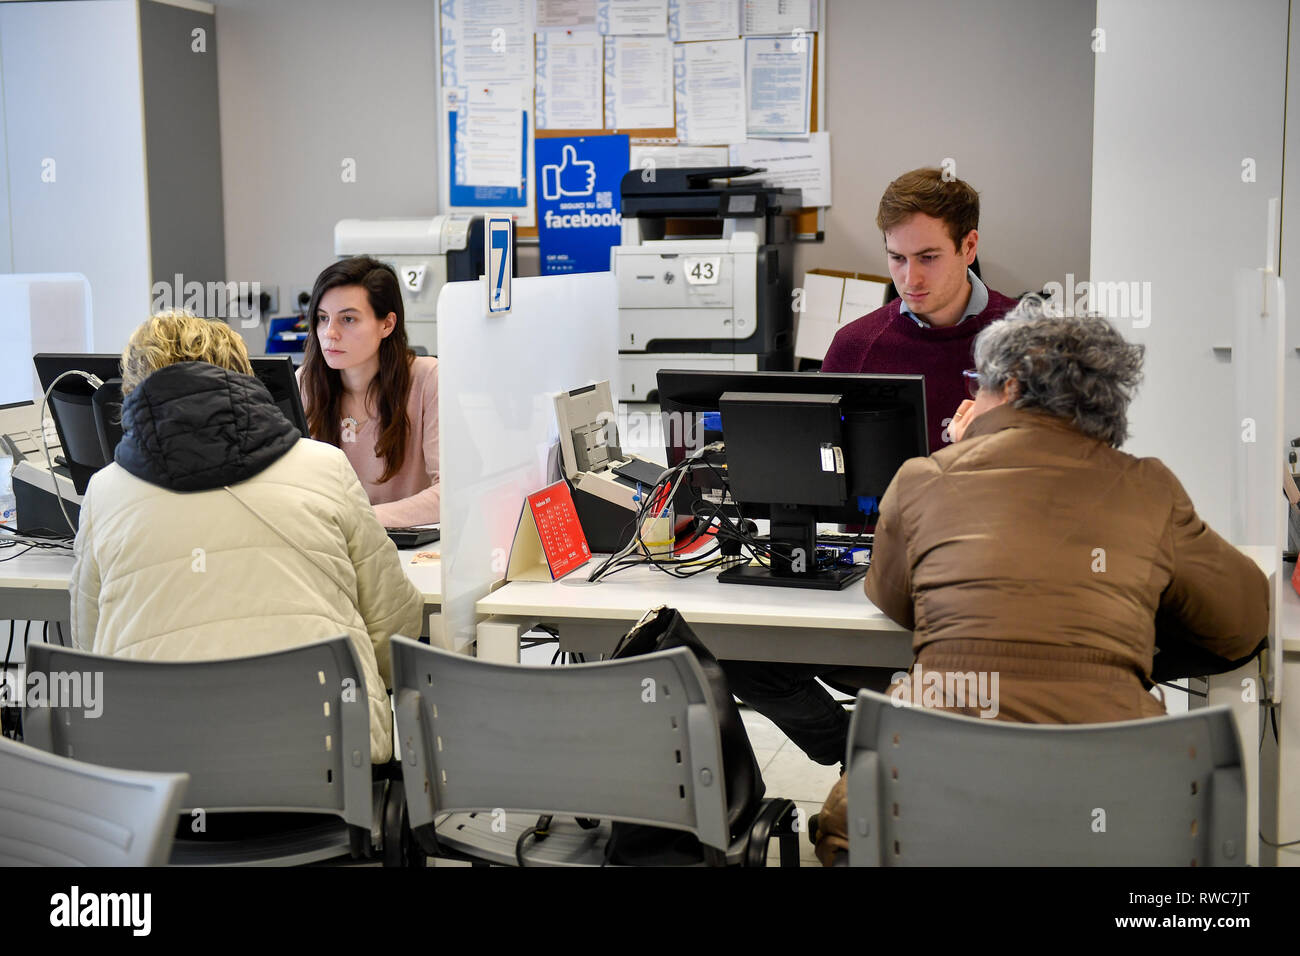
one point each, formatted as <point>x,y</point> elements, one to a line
<point>578,200</point>
<point>500,240</point>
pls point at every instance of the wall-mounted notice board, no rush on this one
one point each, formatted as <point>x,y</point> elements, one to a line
<point>691,82</point>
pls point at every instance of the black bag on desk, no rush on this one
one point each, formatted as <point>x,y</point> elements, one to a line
<point>634,843</point>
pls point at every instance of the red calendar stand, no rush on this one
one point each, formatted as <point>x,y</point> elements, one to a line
<point>549,542</point>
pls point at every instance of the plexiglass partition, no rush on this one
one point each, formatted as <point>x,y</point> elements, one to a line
<point>497,376</point>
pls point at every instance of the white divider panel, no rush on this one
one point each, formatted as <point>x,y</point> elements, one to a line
<point>497,418</point>
<point>40,313</point>
<point>1258,508</point>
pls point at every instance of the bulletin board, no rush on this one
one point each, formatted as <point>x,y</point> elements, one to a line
<point>521,203</point>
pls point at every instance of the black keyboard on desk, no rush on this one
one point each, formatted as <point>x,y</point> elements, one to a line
<point>407,538</point>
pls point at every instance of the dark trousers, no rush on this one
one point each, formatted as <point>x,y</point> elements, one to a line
<point>790,697</point>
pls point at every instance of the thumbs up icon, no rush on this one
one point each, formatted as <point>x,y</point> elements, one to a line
<point>567,178</point>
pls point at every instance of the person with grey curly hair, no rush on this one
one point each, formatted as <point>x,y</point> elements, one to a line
<point>1036,556</point>
<point>1075,367</point>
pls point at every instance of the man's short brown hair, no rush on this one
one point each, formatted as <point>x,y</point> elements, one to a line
<point>926,191</point>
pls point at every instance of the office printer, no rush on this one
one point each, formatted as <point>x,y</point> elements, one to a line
<point>608,485</point>
<point>716,299</point>
<point>425,253</point>
<point>36,488</point>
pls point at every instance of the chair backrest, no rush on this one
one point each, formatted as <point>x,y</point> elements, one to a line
<point>288,730</point>
<point>633,740</point>
<point>929,788</point>
<point>60,812</point>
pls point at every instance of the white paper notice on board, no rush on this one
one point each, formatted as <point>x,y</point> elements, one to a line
<point>778,16</point>
<point>791,164</point>
<point>552,14</point>
<point>568,79</point>
<point>649,158</point>
<point>638,82</point>
<point>487,42</point>
<point>703,20</point>
<point>632,17</point>
<point>778,84</point>
<point>710,90</point>
<point>494,126</point>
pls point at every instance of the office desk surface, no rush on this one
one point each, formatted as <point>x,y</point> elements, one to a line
<point>736,621</point>
<point>702,599</point>
<point>48,570</point>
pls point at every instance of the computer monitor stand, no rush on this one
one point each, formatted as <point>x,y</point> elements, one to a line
<point>793,540</point>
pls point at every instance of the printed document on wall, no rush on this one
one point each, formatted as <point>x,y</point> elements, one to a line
<point>710,84</point>
<point>494,120</point>
<point>487,41</point>
<point>778,82</point>
<point>552,14</point>
<point>638,82</point>
<point>568,80</point>
<point>778,16</point>
<point>703,20</point>
<point>792,164</point>
<point>632,17</point>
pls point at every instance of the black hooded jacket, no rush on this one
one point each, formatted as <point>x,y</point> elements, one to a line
<point>193,426</point>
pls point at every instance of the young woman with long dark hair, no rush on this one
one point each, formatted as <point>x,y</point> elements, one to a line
<point>365,391</point>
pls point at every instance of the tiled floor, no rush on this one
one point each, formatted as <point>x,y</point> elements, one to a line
<point>789,773</point>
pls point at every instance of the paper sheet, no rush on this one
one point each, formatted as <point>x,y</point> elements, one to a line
<point>778,82</point>
<point>703,20</point>
<point>793,164</point>
<point>817,324</point>
<point>568,80</point>
<point>778,16</point>
<point>709,80</point>
<point>565,13</point>
<point>486,42</point>
<point>493,126</point>
<point>647,158</point>
<point>632,17</point>
<point>638,82</point>
<point>861,297</point>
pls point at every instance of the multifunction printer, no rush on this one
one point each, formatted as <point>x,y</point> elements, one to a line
<point>716,294</point>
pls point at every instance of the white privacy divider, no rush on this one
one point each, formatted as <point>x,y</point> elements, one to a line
<point>40,313</point>
<point>1258,507</point>
<point>497,418</point>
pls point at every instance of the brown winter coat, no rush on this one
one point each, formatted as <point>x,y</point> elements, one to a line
<point>1030,550</point>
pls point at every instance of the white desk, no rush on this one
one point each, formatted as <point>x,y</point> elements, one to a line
<point>34,586</point>
<point>736,621</point>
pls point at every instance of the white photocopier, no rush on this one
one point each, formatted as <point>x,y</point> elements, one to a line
<point>425,253</point>
<point>699,300</point>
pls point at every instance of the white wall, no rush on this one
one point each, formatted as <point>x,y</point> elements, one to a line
<point>72,94</point>
<point>304,84</point>
<point>1186,90</point>
<point>1004,87</point>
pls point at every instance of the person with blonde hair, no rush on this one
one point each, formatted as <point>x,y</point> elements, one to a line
<point>219,531</point>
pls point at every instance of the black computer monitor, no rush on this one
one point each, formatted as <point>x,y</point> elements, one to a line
<point>803,447</point>
<point>89,440</point>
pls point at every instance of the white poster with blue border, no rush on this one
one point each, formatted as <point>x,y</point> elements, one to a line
<point>579,180</point>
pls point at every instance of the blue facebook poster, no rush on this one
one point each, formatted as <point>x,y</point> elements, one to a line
<point>578,200</point>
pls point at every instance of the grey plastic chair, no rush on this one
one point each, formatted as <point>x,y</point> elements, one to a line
<point>255,734</point>
<point>633,740</point>
<point>59,812</point>
<point>928,788</point>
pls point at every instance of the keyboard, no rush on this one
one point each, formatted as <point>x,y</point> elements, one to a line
<point>407,538</point>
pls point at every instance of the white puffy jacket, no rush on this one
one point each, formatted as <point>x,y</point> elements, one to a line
<point>170,566</point>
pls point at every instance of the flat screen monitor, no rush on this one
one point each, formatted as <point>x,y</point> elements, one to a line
<point>805,447</point>
<point>89,440</point>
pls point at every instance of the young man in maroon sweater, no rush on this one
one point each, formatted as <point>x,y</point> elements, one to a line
<point>930,226</point>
